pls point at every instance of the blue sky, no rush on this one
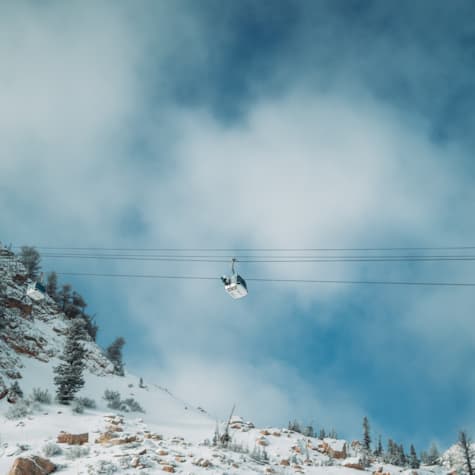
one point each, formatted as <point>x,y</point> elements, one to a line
<point>324,124</point>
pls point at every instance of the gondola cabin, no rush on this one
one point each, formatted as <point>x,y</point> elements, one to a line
<point>235,286</point>
<point>36,291</point>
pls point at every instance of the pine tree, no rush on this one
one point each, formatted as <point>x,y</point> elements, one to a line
<point>15,391</point>
<point>402,459</point>
<point>308,431</point>
<point>413,460</point>
<point>378,451</point>
<point>434,455</point>
<point>91,327</point>
<point>30,258</point>
<point>69,379</point>
<point>366,435</point>
<point>467,451</point>
<point>322,434</point>
<point>64,297</point>
<point>52,285</point>
<point>392,453</point>
<point>114,353</point>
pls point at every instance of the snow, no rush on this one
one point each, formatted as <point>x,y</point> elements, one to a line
<point>170,433</point>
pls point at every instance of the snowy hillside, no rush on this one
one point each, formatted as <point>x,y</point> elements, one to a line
<point>153,432</point>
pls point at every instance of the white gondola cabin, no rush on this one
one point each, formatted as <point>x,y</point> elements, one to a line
<point>235,285</point>
<point>36,291</point>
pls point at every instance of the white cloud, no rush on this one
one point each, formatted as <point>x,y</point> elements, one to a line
<point>300,170</point>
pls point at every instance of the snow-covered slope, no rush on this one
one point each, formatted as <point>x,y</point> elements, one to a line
<point>170,435</point>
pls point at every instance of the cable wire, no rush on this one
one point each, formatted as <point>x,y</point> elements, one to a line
<point>197,249</point>
<point>263,279</point>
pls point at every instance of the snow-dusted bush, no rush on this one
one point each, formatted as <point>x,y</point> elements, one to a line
<point>87,402</point>
<point>77,407</point>
<point>50,449</point>
<point>41,395</point>
<point>18,410</point>
<point>76,452</point>
<point>133,405</point>
<point>113,399</point>
<point>127,405</point>
<point>103,467</point>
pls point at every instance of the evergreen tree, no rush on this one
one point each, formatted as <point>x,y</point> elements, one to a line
<point>308,431</point>
<point>424,458</point>
<point>52,285</point>
<point>64,297</point>
<point>78,301</point>
<point>366,435</point>
<point>30,258</point>
<point>114,353</point>
<point>333,434</point>
<point>378,451</point>
<point>322,434</point>
<point>15,390</point>
<point>434,455</point>
<point>391,455</point>
<point>402,459</point>
<point>413,460</point>
<point>69,379</point>
<point>465,445</point>
<point>91,327</point>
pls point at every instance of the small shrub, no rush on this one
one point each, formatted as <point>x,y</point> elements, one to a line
<point>77,407</point>
<point>18,410</point>
<point>76,452</point>
<point>133,405</point>
<point>127,405</point>
<point>87,402</point>
<point>113,399</point>
<point>50,449</point>
<point>41,395</point>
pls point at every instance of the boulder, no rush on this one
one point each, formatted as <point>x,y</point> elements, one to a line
<point>356,466</point>
<point>72,439</point>
<point>32,466</point>
<point>168,468</point>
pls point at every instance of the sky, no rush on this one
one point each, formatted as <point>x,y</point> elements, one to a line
<point>257,124</point>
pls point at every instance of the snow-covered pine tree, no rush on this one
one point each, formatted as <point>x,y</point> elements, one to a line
<point>391,455</point>
<point>402,458</point>
<point>69,379</point>
<point>15,391</point>
<point>30,258</point>
<point>433,456</point>
<point>52,285</point>
<point>64,296</point>
<point>378,451</point>
<point>413,460</point>
<point>308,431</point>
<point>366,435</point>
<point>114,353</point>
<point>465,445</point>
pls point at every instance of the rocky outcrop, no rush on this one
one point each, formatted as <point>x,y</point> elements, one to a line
<point>20,333</point>
<point>25,309</point>
<point>72,439</point>
<point>32,466</point>
<point>356,466</point>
